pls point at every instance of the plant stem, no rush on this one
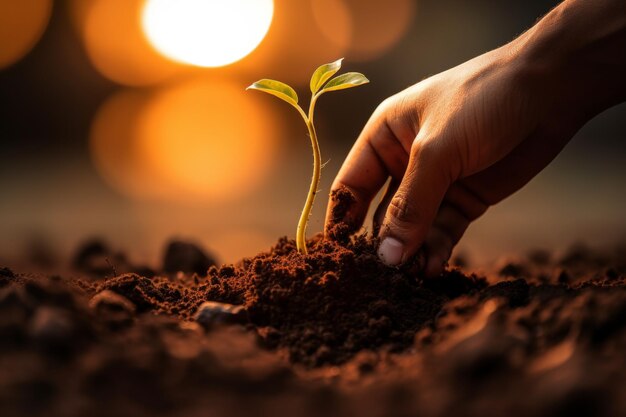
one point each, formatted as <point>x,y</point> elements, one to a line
<point>317,168</point>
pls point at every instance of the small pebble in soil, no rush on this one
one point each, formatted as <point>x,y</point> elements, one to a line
<point>186,257</point>
<point>97,259</point>
<point>113,308</point>
<point>211,313</point>
<point>110,301</point>
<point>51,326</point>
<point>564,277</point>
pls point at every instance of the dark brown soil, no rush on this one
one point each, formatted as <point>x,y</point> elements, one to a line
<point>321,308</point>
<point>333,333</point>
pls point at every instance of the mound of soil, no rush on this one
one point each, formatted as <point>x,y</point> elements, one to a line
<point>321,308</point>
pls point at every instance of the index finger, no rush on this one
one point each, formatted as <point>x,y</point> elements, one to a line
<point>376,155</point>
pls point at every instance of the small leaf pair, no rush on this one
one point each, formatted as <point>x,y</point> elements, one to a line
<point>321,82</point>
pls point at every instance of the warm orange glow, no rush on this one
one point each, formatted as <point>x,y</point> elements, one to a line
<point>22,22</point>
<point>206,33</point>
<point>334,20</point>
<point>113,145</point>
<point>78,10</point>
<point>208,139</point>
<point>293,47</point>
<point>116,44</point>
<point>198,141</point>
<point>373,26</point>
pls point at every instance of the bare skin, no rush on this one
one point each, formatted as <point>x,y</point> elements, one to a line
<point>465,139</point>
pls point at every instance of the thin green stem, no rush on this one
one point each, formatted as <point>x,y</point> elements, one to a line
<point>312,106</point>
<point>317,169</point>
<point>304,116</point>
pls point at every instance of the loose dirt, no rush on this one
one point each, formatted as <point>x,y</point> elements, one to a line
<point>332,333</point>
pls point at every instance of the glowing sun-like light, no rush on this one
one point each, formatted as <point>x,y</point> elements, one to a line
<point>206,33</point>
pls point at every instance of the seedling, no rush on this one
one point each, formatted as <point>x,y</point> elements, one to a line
<point>321,83</point>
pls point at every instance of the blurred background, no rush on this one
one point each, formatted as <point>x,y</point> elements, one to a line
<point>129,120</point>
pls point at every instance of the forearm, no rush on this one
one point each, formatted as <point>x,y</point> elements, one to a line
<point>579,49</point>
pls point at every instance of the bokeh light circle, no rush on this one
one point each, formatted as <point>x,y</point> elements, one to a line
<point>198,141</point>
<point>208,139</point>
<point>373,26</point>
<point>294,45</point>
<point>207,33</point>
<point>116,45</point>
<point>113,146</point>
<point>22,22</point>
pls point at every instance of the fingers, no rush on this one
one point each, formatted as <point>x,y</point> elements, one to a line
<point>376,155</point>
<point>413,208</point>
<point>459,208</point>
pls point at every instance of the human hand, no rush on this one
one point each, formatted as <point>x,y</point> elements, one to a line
<point>453,145</point>
<point>461,141</point>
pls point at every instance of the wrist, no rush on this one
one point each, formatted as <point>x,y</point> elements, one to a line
<point>576,55</point>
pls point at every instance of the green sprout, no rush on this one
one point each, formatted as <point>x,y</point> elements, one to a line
<point>321,83</point>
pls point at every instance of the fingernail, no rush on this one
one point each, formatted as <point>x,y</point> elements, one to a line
<point>390,251</point>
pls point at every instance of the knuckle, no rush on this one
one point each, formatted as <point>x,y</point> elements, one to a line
<point>385,106</point>
<point>426,148</point>
<point>403,211</point>
<point>435,153</point>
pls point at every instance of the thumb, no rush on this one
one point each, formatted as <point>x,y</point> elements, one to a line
<point>414,206</point>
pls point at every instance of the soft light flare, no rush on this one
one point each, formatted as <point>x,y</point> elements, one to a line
<point>206,33</point>
<point>199,141</point>
<point>116,45</point>
<point>22,22</point>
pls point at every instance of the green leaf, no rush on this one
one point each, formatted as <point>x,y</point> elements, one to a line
<point>347,80</point>
<point>276,88</point>
<point>323,74</point>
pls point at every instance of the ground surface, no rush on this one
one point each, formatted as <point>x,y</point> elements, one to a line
<point>332,333</point>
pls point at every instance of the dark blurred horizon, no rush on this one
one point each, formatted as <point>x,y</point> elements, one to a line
<point>58,189</point>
